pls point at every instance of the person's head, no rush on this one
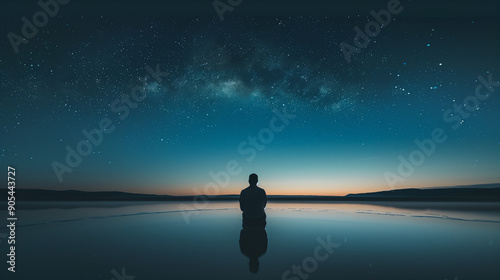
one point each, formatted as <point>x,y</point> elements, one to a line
<point>253,265</point>
<point>253,179</point>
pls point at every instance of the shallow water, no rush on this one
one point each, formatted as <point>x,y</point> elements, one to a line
<point>106,240</point>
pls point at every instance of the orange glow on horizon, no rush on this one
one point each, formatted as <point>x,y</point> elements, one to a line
<point>293,189</point>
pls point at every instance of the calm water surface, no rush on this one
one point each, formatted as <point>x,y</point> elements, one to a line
<point>82,240</point>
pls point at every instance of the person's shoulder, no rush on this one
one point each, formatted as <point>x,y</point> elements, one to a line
<point>244,190</point>
<point>261,190</point>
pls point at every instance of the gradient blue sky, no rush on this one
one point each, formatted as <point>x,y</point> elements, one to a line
<point>352,120</point>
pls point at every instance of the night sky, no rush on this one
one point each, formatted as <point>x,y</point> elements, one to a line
<point>271,71</point>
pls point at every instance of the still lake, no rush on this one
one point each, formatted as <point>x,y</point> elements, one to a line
<point>154,240</point>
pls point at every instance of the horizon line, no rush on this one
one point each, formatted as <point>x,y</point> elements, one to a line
<point>310,195</point>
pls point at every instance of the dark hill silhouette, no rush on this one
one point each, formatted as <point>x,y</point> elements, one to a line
<point>488,192</point>
<point>432,193</point>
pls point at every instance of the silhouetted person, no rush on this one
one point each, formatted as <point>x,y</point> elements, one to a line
<point>253,200</point>
<point>253,244</point>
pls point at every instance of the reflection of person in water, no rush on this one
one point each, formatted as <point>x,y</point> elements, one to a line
<point>253,201</point>
<point>253,236</point>
<point>253,244</point>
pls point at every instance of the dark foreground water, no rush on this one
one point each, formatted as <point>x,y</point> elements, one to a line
<point>142,241</point>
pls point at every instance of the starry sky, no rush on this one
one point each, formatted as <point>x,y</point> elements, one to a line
<point>265,90</point>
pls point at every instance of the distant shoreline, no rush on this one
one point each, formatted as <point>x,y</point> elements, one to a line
<point>454,194</point>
